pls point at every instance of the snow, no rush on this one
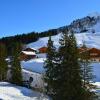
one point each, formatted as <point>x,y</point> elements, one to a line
<point>12,92</point>
<point>43,42</point>
<point>37,78</point>
<point>97,84</point>
<point>34,68</point>
<point>96,71</point>
<point>41,55</point>
<point>97,27</point>
<point>34,65</point>
<point>91,40</point>
<point>29,52</point>
<point>37,66</point>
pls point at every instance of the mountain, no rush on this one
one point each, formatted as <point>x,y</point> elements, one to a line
<point>84,24</point>
<point>87,26</point>
<point>86,29</point>
<point>91,40</point>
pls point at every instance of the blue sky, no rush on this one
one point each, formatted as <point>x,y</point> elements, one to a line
<point>22,16</point>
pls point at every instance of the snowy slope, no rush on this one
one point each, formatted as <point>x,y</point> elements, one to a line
<point>91,40</point>
<point>43,42</point>
<point>35,65</point>
<point>97,27</point>
<point>12,92</point>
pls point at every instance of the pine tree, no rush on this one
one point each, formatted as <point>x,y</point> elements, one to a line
<point>3,63</point>
<point>50,68</point>
<point>70,77</point>
<point>16,71</point>
<point>63,71</point>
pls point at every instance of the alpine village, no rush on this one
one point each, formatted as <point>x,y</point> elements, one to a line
<point>58,64</point>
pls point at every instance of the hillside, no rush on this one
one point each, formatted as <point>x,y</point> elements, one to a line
<point>85,29</point>
<point>90,23</point>
<point>91,40</point>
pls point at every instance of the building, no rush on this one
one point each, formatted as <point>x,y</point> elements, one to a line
<point>94,53</point>
<point>30,49</point>
<point>43,50</point>
<point>27,55</point>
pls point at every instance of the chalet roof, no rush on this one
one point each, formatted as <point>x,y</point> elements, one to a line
<point>30,49</point>
<point>94,50</point>
<point>83,49</point>
<point>42,48</point>
<point>29,53</point>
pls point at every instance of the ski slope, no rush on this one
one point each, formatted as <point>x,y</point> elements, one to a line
<point>91,40</point>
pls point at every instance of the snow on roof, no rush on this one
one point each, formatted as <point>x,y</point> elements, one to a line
<point>34,48</point>
<point>28,53</point>
<point>30,48</point>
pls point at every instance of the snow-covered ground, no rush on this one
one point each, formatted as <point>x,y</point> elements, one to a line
<point>12,92</point>
<point>37,78</point>
<point>91,40</point>
<point>35,65</point>
<point>96,71</point>
<point>35,68</point>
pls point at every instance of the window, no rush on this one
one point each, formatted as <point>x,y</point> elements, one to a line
<point>31,79</point>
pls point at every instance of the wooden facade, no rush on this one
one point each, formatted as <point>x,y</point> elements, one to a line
<point>24,56</point>
<point>94,53</point>
<point>43,50</point>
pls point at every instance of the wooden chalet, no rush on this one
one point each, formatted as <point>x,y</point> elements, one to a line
<point>30,49</point>
<point>94,53</point>
<point>27,55</point>
<point>43,50</point>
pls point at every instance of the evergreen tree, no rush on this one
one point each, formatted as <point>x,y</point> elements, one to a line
<point>16,67</point>
<point>70,77</point>
<point>3,63</point>
<point>50,68</point>
<point>63,71</point>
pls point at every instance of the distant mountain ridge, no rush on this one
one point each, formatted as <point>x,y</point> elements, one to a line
<point>86,29</point>
<point>90,23</point>
<point>84,24</point>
